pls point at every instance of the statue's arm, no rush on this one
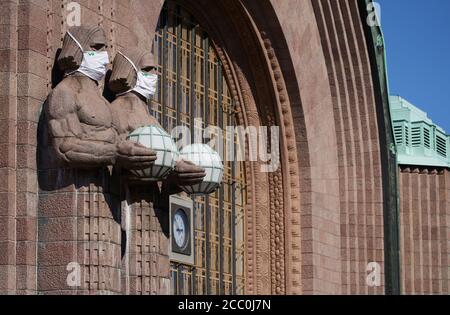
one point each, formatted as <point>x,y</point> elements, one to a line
<point>130,155</point>
<point>69,141</point>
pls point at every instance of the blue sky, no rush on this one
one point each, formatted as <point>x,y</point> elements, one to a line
<point>417,34</point>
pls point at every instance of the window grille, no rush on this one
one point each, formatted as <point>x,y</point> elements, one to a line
<point>192,85</point>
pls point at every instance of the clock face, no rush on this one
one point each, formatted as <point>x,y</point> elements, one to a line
<point>180,228</point>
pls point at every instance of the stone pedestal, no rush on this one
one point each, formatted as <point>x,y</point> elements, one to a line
<point>79,237</point>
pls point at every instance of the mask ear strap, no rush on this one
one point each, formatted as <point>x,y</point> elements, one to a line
<point>76,41</point>
<point>79,45</point>
<point>135,69</point>
<point>129,60</point>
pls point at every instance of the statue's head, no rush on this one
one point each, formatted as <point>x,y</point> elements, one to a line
<point>126,68</point>
<point>90,38</point>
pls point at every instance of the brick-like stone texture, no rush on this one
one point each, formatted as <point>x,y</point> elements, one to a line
<point>340,182</point>
<point>360,210</point>
<point>8,121</point>
<point>425,226</point>
<point>145,265</point>
<point>79,223</point>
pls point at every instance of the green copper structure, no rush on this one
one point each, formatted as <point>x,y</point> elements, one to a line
<point>391,217</point>
<point>419,141</point>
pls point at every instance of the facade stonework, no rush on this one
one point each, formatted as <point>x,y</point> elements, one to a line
<point>312,227</point>
<point>425,201</point>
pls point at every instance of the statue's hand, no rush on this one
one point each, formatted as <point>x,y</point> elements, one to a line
<point>134,156</point>
<point>69,63</point>
<point>187,173</point>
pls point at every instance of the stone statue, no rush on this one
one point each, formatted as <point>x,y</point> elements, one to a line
<point>131,111</point>
<point>134,82</point>
<point>79,118</point>
<point>79,198</point>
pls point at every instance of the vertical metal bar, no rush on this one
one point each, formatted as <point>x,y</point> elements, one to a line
<point>191,126</point>
<point>233,203</point>
<point>175,279</point>
<point>178,19</point>
<point>206,60</point>
<point>206,120</point>
<point>179,99</point>
<point>180,280</point>
<point>165,16</point>
<point>156,51</point>
<point>221,190</point>
<point>208,245</point>
<point>192,82</point>
<point>193,286</point>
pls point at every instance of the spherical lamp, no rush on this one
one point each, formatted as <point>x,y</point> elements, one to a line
<point>202,155</point>
<point>158,140</point>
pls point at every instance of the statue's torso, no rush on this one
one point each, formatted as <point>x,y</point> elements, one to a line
<point>130,113</point>
<point>93,111</point>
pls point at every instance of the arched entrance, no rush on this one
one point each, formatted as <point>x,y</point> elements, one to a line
<point>194,93</point>
<point>256,89</point>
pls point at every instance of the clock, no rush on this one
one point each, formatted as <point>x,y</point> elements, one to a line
<point>181,230</point>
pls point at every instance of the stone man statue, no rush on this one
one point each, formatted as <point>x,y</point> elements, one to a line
<point>146,263</point>
<point>80,242</point>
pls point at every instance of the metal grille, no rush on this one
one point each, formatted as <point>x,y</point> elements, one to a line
<point>193,87</point>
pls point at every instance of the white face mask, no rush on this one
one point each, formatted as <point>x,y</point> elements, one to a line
<point>146,83</point>
<point>94,64</point>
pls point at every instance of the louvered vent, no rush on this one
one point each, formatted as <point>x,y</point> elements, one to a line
<point>407,136</point>
<point>426,138</point>
<point>441,146</point>
<point>398,131</point>
<point>416,137</point>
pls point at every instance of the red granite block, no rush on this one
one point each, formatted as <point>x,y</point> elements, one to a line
<point>26,253</point>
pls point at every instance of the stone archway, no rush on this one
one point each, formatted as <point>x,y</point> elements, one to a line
<point>258,88</point>
<point>313,77</point>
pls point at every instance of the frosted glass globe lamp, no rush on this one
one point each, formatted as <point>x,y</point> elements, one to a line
<point>158,140</point>
<point>202,155</point>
